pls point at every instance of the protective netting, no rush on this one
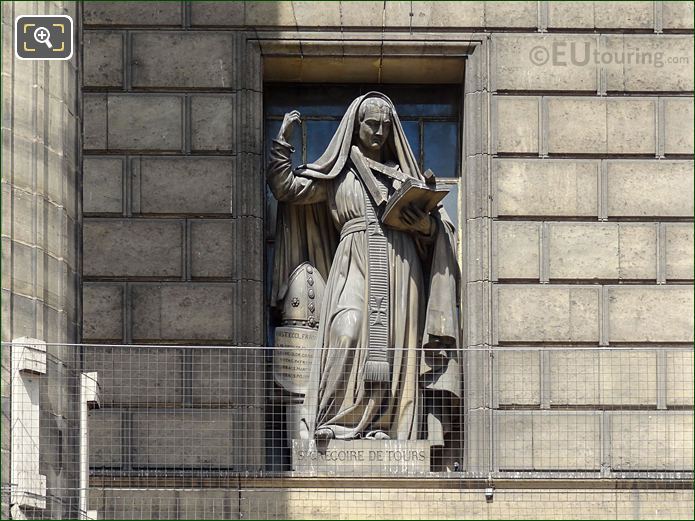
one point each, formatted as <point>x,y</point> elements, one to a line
<point>200,432</point>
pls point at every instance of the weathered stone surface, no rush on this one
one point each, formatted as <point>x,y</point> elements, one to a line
<point>217,13</point>
<point>132,13</point>
<point>361,14</point>
<point>679,251</point>
<point>677,15</point>
<point>22,205</point>
<point>200,438</point>
<point>574,377</point>
<point>94,121</point>
<point>602,251</point>
<point>228,377</point>
<point>182,59</point>
<point>518,250</point>
<point>103,59</point>
<point>559,504</point>
<point>546,187</point>
<point>145,122</point>
<point>24,261</point>
<point>678,122</point>
<point>184,185</point>
<point>651,440</point>
<point>650,188</point>
<point>105,438</point>
<point>546,313</point>
<point>511,14</point>
<point>650,313</point>
<point>208,504</point>
<point>434,14</point>
<point>535,62</point>
<point>644,63</point>
<point>213,243</point>
<point>548,441</point>
<point>570,15</point>
<point>600,125</point>
<point>269,14</point>
<point>137,376</point>
<point>184,312</point>
<point>129,503</point>
<point>249,231</point>
<point>626,15</point>
<point>518,377</point>
<point>628,378</point>
<point>566,441</point>
<point>679,378</point>
<point>132,247</point>
<point>102,185</point>
<point>637,254</point>
<point>312,14</point>
<point>252,329</point>
<point>102,311</point>
<point>583,250</point>
<point>514,441</point>
<point>517,124</point>
<point>212,123</point>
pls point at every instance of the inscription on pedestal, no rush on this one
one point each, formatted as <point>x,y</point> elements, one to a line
<point>361,457</point>
<point>292,359</point>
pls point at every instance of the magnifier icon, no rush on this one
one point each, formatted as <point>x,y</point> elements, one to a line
<point>43,35</point>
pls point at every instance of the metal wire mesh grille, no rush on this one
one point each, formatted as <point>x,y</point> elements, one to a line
<point>211,432</point>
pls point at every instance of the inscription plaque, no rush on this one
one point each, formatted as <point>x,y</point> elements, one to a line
<point>361,457</point>
<point>292,359</point>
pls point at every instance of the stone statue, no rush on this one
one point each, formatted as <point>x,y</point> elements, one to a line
<point>388,328</point>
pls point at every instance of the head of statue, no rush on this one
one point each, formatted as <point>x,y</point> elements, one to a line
<point>373,123</point>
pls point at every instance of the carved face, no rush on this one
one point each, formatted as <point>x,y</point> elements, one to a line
<point>375,127</point>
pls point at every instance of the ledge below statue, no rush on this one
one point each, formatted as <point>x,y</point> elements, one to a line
<point>361,457</point>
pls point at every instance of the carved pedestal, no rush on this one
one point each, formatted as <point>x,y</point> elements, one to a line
<point>362,458</point>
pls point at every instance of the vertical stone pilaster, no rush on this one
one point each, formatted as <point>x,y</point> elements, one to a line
<point>477,285</point>
<point>40,228</point>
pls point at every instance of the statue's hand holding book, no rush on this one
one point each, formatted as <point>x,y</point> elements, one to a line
<point>412,193</point>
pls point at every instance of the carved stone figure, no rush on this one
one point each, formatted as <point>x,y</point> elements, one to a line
<point>388,328</point>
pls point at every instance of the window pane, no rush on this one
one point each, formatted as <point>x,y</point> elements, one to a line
<point>412,132</point>
<point>332,100</point>
<point>272,127</point>
<point>451,203</point>
<point>441,148</point>
<point>271,213</point>
<point>318,135</point>
<point>438,101</point>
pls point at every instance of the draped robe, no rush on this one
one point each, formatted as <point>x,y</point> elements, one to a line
<point>422,273</point>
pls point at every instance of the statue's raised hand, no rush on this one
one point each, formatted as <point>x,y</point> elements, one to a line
<point>288,124</point>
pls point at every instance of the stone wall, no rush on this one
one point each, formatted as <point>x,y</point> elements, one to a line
<point>40,222</point>
<point>380,502</point>
<point>591,234</point>
<point>172,239</point>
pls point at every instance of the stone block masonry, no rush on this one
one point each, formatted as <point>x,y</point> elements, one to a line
<point>583,238</point>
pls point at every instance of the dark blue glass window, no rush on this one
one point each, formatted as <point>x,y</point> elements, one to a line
<point>318,136</point>
<point>441,148</point>
<point>430,115</point>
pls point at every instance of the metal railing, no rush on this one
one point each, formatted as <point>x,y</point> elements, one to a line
<point>145,431</point>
